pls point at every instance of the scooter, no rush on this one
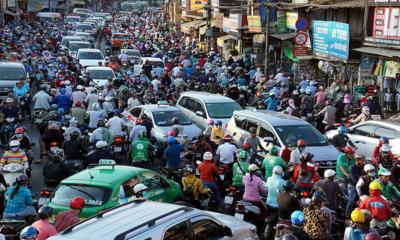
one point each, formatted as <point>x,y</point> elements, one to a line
<point>37,116</point>
<point>232,196</point>
<point>12,171</point>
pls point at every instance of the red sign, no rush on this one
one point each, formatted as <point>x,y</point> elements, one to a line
<point>301,38</point>
<point>300,51</point>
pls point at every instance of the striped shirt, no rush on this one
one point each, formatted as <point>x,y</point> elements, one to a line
<point>65,219</point>
<point>14,157</point>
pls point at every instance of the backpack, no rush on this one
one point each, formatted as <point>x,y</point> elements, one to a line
<point>188,192</point>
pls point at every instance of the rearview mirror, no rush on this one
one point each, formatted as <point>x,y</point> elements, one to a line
<point>268,139</point>
<point>199,113</point>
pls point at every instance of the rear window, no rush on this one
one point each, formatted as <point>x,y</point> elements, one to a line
<point>156,63</point>
<point>94,196</point>
<point>163,118</point>
<point>12,73</point>
<point>121,37</point>
<point>101,74</point>
<point>85,27</point>
<point>290,134</point>
<point>222,110</point>
<point>75,46</point>
<point>90,55</point>
<point>72,19</point>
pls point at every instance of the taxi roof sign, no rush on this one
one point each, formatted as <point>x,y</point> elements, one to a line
<point>108,162</point>
<point>162,103</point>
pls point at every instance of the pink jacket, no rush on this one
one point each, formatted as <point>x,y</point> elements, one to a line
<point>253,186</point>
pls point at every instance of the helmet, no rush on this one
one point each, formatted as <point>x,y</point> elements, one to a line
<point>21,179</point>
<point>297,217</point>
<point>190,169</point>
<point>218,123</point>
<point>372,236</point>
<point>289,237</point>
<point>349,150</point>
<point>9,100</point>
<point>175,120</point>
<point>75,134</point>
<point>228,138</point>
<point>171,133</point>
<point>207,156</point>
<point>359,156</point>
<point>14,143</point>
<point>54,106</point>
<point>319,196</point>
<point>329,173</point>
<point>253,130</point>
<point>45,212</point>
<point>374,185</point>
<point>384,149</point>
<point>383,140</point>
<point>253,168</point>
<point>342,130</point>
<point>243,155</point>
<point>301,142</point>
<point>277,170</point>
<point>368,167</point>
<point>101,144</point>
<point>210,122</point>
<point>274,150</point>
<point>357,216</point>
<point>142,134</point>
<point>384,172</point>
<point>19,130</point>
<point>77,203</point>
<point>246,145</point>
<point>171,139</point>
<point>28,232</point>
<point>288,185</point>
<point>139,187</point>
<point>57,154</point>
<point>307,156</point>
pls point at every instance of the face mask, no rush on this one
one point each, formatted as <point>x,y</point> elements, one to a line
<point>145,194</point>
<point>14,149</point>
<point>372,174</point>
<point>301,149</point>
<point>19,135</point>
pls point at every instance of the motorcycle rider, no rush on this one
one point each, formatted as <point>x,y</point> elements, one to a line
<point>305,174</point>
<point>341,140</point>
<point>208,130</point>
<point>384,158</point>
<point>217,133</point>
<point>226,152</point>
<point>25,143</point>
<point>116,124</point>
<point>271,161</point>
<point>9,110</point>
<point>275,185</point>
<point>364,116</point>
<point>253,188</point>
<point>54,171</point>
<point>208,172</point>
<point>331,188</point>
<point>70,217</point>
<point>19,200</point>
<point>344,161</point>
<point>359,229</point>
<point>272,102</point>
<point>42,99</point>
<point>172,154</point>
<point>356,172</point>
<point>296,154</point>
<point>74,149</point>
<point>192,187</point>
<point>329,113</point>
<point>200,147</point>
<point>240,168</point>
<point>375,153</point>
<point>140,151</point>
<point>100,152</point>
<point>389,191</point>
<point>101,134</point>
<point>52,134</point>
<point>73,127</point>
<point>316,220</point>
<point>307,103</point>
<point>254,140</point>
<point>43,225</point>
<point>14,155</point>
<point>363,182</point>
<point>379,207</point>
<point>95,114</point>
<point>287,201</point>
<point>138,128</point>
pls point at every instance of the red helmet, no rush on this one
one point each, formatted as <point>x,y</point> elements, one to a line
<point>171,133</point>
<point>19,130</point>
<point>301,142</point>
<point>228,138</point>
<point>246,145</point>
<point>138,121</point>
<point>77,203</point>
<point>372,236</point>
<point>348,150</point>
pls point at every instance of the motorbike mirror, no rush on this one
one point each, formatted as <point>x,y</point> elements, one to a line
<point>228,231</point>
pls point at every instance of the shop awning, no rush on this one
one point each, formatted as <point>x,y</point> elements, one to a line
<point>390,53</point>
<point>221,40</point>
<point>185,27</point>
<point>283,36</point>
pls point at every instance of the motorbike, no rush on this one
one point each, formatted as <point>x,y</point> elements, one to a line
<point>175,175</point>
<point>232,196</point>
<point>250,213</point>
<point>119,149</point>
<point>11,124</point>
<point>12,171</point>
<point>11,228</point>
<point>37,116</point>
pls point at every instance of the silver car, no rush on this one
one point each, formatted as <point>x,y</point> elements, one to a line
<point>161,116</point>
<point>155,220</point>
<point>366,136</point>
<point>283,131</point>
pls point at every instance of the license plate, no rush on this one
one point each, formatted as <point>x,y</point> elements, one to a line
<point>239,216</point>
<point>43,201</point>
<point>228,200</point>
<point>117,149</point>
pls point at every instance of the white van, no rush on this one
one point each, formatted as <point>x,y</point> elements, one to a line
<point>48,16</point>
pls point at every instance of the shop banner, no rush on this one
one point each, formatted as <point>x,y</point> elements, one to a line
<point>281,19</point>
<point>291,19</point>
<point>254,23</point>
<point>215,5</point>
<point>184,8</point>
<point>331,39</point>
<point>232,23</point>
<point>219,20</point>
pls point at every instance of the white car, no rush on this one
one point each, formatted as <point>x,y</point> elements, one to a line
<point>66,39</point>
<point>134,55</point>
<point>100,75</point>
<point>72,20</point>
<point>82,10</point>
<point>74,46</point>
<point>90,57</point>
<point>153,61</point>
<point>366,136</point>
<point>86,36</point>
<point>86,27</point>
<point>105,15</point>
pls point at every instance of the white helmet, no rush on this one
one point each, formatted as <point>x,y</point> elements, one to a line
<point>384,148</point>
<point>14,143</point>
<point>368,167</point>
<point>329,173</point>
<point>101,144</point>
<point>253,168</point>
<point>139,187</point>
<point>277,170</point>
<point>308,91</point>
<point>207,156</point>
<point>95,106</point>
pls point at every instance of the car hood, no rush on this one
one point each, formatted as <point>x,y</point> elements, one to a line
<point>323,153</point>
<point>88,62</point>
<point>395,143</point>
<point>190,130</point>
<point>330,134</point>
<point>100,82</point>
<point>240,229</point>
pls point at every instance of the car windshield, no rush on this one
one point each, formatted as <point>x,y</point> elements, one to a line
<point>94,196</point>
<point>156,64</point>
<point>121,36</point>
<point>163,118</point>
<point>101,74</point>
<point>291,133</point>
<point>75,46</point>
<point>12,73</point>
<point>84,27</point>
<point>133,53</point>
<point>222,110</point>
<point>72,19</point>
<point>91,55</point>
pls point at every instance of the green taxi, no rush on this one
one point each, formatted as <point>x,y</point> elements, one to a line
<point>108,185</point>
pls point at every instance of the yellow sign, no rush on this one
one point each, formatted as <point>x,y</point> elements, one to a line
<point>291,18</point>
<point>254,23</point>
<point>258,38</point>
<point>197,5</point>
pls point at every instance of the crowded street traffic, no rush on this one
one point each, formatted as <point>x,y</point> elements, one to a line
<point>117,124</point>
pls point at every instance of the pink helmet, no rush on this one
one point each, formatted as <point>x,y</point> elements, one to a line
<point>347,98</point>
<point>210,122</point>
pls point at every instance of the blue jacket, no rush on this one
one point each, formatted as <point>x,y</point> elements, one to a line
<point>63,101</point>
<point>274,185</point>
<point>21,200</point>
<point>173,154</point>
<point>272,103</point>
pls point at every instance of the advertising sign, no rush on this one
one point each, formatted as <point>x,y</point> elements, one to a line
<point>331,39</point>
<point>231,24</point>
<point>254,23</point>
<point>219,20</point>
<point>281,19</point>
<point>184,8</point>
<point>291,18</point>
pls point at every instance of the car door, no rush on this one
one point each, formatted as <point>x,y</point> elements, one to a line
<point>204,227</point>
<point>235,128</point>
<point>248,123</point>
<point>152,181</point>
<point>390,133</point>
<point>200,114</point>
<point>187,105</point>
<point>363,137</point>
<point>177,230</point>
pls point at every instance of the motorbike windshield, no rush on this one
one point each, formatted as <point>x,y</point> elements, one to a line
<point>94,196</point>
<point>289,134</point>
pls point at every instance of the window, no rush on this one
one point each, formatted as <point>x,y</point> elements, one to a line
<point>385,132</point>
<point>177,232</point>
<point>191,104</point>
<point>94,196</point>
<point>136,112</point>
<point>365,130</point>
<point>249,124</point>
<point>90,55</point>
<point>222,110</point>
<point>12,73</point>
<point>199,107</point>
<point>150,179</point>
<point>239,121</point>
<point>289,134</point>
<point>163,118</point>
<point>205,229</point>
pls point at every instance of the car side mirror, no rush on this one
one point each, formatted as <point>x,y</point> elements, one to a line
<point>228,231</point>
<point>199,113</point>
<point>268,139</point>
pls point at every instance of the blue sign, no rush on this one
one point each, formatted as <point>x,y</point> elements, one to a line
<point>331,39</point>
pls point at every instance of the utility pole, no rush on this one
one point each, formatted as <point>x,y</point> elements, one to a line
<point>266,56</point>
<point>208,31</point>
